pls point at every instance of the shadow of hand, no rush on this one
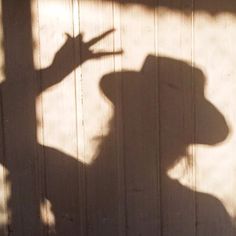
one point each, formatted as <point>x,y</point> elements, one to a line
<point>67,62</point>
<point>85,47</point>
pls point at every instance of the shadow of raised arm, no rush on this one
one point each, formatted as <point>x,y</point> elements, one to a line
<point>65,60</point>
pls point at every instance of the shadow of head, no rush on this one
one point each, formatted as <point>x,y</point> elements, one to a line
<point>165,99</point>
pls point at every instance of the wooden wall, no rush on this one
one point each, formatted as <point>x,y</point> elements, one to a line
<point>121,132</point>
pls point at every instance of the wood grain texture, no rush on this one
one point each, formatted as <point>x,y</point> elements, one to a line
<point>139,122</point>
<point>18,95</point>
<point>103,190</point>
<point>176,122</point>
<point>89,134</point>
<point>59,113</point>
<point>3,184</point>
<point>212,216</point>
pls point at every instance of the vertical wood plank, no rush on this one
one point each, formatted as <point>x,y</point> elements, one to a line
<point>59,126</point>
<point>176,120</point>
<point>105,201</point>
<point>18,98</point>
<point>3,184</point>
<point>80,123</point>
<point>213,126</point>
<point>139,120</point>
<point>118,120</point>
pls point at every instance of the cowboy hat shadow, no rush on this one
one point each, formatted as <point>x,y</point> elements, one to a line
<point>163,110</point>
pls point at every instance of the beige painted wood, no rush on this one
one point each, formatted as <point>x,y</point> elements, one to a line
<point>18,93</point>
<point>80,122</point>
<point>139,111</point>
<point>58,94</point>
<point>213,208</point>
<point>3,184</point>
<point>176,118</point>
<point>138,143</point>
<point>103,153</point>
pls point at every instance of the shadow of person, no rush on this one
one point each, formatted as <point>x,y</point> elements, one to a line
<point>163,110</point>
<point>25,159</point>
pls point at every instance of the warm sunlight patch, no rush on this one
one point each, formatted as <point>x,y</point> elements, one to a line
<point>73,116</point>
<point>4,196</point>
<point>47,215</point>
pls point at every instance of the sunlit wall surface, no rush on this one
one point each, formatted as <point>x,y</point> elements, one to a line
<point>89,172</point>
<point>202,39</point>
<point>4,184</point>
